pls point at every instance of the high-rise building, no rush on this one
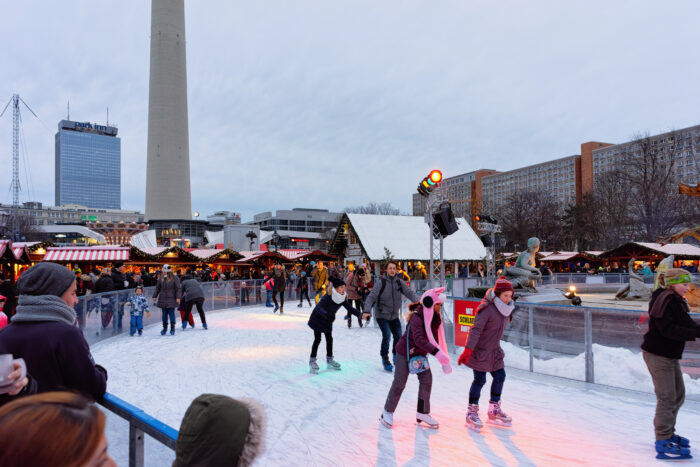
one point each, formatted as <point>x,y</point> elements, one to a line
<point>88,165</point>
<point>168,149</point>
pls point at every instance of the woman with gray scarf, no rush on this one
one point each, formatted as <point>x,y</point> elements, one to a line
<point>44,334</point>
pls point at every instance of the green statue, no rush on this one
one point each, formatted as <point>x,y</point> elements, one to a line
<point>524,273</point>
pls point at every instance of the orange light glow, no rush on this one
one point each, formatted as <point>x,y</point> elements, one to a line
<point>436,176</point>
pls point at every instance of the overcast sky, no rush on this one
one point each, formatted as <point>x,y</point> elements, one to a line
<point>329,104</point>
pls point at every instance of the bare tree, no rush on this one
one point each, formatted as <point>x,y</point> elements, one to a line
<point>28,232</point>
<point>649,168</point>
<point>376,208</point>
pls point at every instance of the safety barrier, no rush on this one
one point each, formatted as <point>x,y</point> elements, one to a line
<point>567,341</point>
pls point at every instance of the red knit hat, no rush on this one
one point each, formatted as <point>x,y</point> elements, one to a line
<point>502,285</point>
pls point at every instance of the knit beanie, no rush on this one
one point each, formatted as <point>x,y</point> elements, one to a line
<point>45,279</point>
<point>675,276</point>
<point>220,431</point>
<point>337,282</point>
<point>502,285</point>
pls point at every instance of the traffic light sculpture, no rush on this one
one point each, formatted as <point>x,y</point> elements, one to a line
<point>485,218</point>
<point>429,183</point>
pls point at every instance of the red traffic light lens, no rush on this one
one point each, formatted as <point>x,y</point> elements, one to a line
<point>435,176</point>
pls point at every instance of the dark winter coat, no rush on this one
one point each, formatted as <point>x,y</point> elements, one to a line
<point>668,333</point>
<point>418,341</point>
<point>118,278</point>
<point>389,303</point>
<point>57,357</point>
<point>353,285</point>
<point>485,340</point>
<point>302,283</point>
<point>192,289</point>
<point>167,292</point>
<point>104,284</point>
<point>323,315</point>
<point>279,276</point>
<point>9,291</point>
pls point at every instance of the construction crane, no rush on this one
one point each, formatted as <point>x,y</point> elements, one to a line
<point>15,186</point>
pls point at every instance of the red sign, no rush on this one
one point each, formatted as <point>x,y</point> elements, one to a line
<point>465,310</point>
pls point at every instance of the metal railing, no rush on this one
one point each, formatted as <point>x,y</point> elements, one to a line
<point>566,341</point>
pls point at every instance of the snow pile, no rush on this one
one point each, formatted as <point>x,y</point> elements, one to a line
<point>332,418</point>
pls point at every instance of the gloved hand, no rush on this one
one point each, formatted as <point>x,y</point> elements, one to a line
<point>464,358</point>
<point>447,369</point>
<point>442,358</point>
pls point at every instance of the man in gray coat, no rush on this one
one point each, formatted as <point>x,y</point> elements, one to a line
<point>387,294</point>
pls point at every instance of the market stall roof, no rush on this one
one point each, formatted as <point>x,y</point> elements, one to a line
<point>209,255</point>
<point>87,254</point>
<point>20,252</point>
<point>406,237</point>
<point>6,254</point>
<point>571,255</point>
<point>309,255</point>
<point>248,257</point>
<point>652,251</point>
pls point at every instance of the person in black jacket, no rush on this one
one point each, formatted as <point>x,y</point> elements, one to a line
<point>107,301</point>
<point>44,334</point>
<point>321,321</point>
<point>670,327</point>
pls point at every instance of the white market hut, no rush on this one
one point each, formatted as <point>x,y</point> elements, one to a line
<point>406,237</point>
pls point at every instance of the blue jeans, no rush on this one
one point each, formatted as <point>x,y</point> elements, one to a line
<point>499,377</point>
<point>268,303</point>
<point>168,312</point>
<point>136,324</point>
<point>390,328</point>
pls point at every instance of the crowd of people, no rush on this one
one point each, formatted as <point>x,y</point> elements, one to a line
<point>54,379</point>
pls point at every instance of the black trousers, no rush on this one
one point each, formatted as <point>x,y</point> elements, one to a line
<point>317,341</point>
<point>188,309</point>
<point>304,293</point>
<point>274,297</point>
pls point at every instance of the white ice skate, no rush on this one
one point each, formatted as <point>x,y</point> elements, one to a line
<point>313,366</point>
<point>427,419</point>
<point>473,420</point>
<point>387,419</point>
<point>332,364</point>
<point>497,416</point>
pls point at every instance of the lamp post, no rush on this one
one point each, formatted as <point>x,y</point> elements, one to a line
<point>251,235</point>
<point>275,238</point>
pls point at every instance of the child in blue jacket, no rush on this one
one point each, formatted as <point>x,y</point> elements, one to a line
<point>138,306</point>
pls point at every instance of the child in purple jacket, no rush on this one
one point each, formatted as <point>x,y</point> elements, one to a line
<point>423,332</point>
<point>483,353</point>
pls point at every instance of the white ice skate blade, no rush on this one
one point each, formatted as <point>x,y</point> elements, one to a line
<point>332,368</point>
<point>384,422</point>
<point>435,427</point>
<point>474,427</point>
<point>499,424</point>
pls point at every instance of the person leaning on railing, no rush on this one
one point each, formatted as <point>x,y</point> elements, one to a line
<point>44,334</point>
<point>53,428</point>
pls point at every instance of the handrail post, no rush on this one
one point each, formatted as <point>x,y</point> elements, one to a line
<point>226,287</point>
<point>588,338</point>
<point>136,446</point>
<point>531,337</point>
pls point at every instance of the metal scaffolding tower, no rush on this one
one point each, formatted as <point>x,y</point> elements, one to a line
<point>15,168</point>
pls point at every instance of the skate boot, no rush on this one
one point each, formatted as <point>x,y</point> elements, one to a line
<point>313,366</point>
<point>140,331</point>
<point>497,416</point>
<point>387,364</point>
<point>204,325</point>
<point>473,420</point>
<point>172,329</point>
<point>282,309</point>
<point>681,441</point>
<point>165,329</point>
<point>276,308</point>
<point>299,305</point>
<point>427,419</point>
<point>387,419</point>
<point>192,325</point>
<point>668,449</point>
<point>310,304</point>
<point>184,325</point>
<point>332,364</point>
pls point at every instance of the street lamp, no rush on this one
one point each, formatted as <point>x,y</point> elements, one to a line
<point>275,238</point>
<point>251,235</point>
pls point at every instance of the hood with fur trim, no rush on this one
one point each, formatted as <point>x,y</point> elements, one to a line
<point>428,300</point>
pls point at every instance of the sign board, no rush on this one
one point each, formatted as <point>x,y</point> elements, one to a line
<point>464,313</point>
<point>353,249</point>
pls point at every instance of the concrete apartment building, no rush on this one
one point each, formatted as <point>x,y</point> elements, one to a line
<point>72,214</point>
<point>299,227</point>
<point>462,191</point>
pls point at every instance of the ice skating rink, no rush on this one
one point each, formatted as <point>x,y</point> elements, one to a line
<point>332,418</point>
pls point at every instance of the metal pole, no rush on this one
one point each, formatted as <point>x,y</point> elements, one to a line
<point>588,332</point>
<point>226,287</point>
<point>431,271</point>
<point>531,337</point>
<point>136,456</point>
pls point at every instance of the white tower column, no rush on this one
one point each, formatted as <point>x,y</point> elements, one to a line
<point>168,166</point>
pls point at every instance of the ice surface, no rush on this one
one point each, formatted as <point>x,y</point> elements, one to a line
<point>332,418</point>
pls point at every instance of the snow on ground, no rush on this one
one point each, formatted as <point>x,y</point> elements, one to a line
<point>332,418</point>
